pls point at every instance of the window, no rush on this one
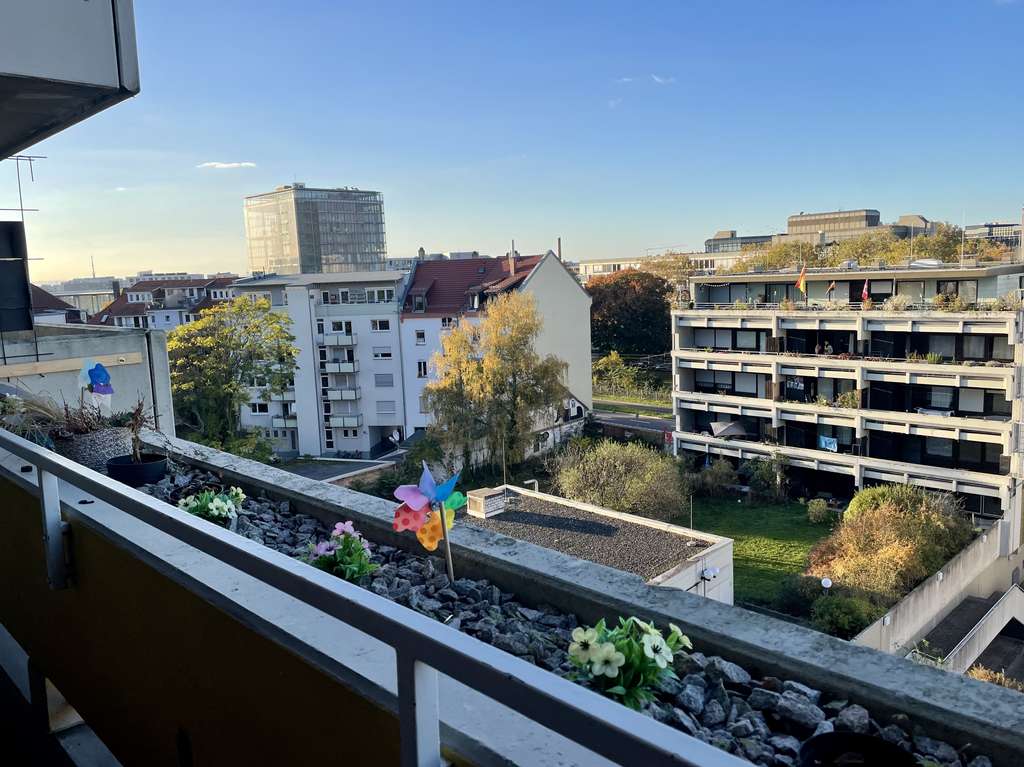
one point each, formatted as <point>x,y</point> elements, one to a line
<point>322,351</point>
<point>421,337</point>
<point>385,406</point>
<point>419,304</point>
<point>383,379</point>
<point>380,295</point>
<point>276,434</point>
<point>350,433</point>
<point>259,407</point>
<point>421,369</point>
<point>703,338</point>
<point>944,345</point>
<point>380,326</point>
<point>382,352</point>
<point>343,296</point>
<point>340,326</point>
<point>746,339</point>
<point>447,322</point>
<point>972,400</point>
<point>942,397</point>
<point>320,327</point>
<point>324,381</point>
<point>259,381</point>
<point>327,408</point>
<point>974,347</point>
<point>423,404</point>
<point>1001,349</point>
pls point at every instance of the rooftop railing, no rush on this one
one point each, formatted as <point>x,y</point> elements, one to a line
<point>849,357</point>
<point>818,306</point>
<point>423,648</point>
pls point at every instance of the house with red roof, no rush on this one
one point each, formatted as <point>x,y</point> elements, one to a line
<point>165,304</point>
<point>47,309</point>
<point>444,293</point>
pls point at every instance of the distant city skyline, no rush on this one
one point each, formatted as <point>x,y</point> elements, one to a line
<point>631,132</point>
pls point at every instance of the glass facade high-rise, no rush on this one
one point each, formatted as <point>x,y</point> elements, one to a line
<point>300,230</point>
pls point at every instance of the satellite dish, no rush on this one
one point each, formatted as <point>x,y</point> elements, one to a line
<point>826,583</point>
<point>396,436</point>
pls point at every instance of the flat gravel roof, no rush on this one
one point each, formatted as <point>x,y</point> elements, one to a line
<point>634,548</point>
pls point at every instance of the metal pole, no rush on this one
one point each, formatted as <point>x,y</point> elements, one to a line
<point>447,544</point>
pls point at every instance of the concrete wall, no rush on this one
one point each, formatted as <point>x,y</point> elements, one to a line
<point>565,308</point>
<point>136,360</point>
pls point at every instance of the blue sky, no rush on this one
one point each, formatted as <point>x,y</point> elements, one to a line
<point>619,126</point>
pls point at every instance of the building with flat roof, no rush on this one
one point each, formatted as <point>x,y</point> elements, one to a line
<point>1004,232</point>
<point>727,241</point>
<point>305,230</point>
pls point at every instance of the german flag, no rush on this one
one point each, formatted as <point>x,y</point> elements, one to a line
<point>801,281</point>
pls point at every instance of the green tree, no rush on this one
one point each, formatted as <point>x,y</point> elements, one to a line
<point>492,385</point>
<point>674,268</point>
<point>215,360</point>
<point>630,312</point>
<point>779,255</point>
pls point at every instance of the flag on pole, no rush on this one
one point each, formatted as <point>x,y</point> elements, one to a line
<point>831,287</point>
<point>864,294</point>
<point>801,281</point>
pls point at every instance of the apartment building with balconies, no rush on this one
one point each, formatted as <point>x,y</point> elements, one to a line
<point>347,395</point>
<point>903,391</point>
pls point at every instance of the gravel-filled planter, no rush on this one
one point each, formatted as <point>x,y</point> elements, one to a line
<point>763,720</point>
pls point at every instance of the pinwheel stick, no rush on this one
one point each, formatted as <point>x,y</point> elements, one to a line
<point>447,544</point>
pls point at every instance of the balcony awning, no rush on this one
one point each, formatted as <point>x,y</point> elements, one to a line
<point>728,429</point>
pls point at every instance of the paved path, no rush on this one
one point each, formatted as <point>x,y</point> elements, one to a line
<point>632,422</point>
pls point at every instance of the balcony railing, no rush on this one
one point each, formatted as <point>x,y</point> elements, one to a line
<point>338,393</point>
<point>341,367</point>
<point>284,422</point>
<point>816,305</point>
<point>424,649</point>
<point>345,421</point>
<point>339,339</point>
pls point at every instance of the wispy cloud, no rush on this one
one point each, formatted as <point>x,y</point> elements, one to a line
<point>623,79</point>
<point>614,103</point>
<point>226,165</point>
<point>663,80</point>
<point>120,189</point>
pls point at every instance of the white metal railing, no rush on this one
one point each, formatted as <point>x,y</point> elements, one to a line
<point>816,305</point>
<point>974,365</point>
<point>424,648</point>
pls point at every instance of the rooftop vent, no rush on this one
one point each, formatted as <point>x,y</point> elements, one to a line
<point>925,263</point>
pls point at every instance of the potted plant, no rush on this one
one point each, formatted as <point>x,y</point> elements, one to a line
<point>137,468</point>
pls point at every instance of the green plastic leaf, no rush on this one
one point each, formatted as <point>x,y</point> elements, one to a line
<point>455,501</point>
<point>617,690</point>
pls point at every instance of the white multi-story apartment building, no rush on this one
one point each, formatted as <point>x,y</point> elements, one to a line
<point>347,395</point>
<point>853,395</point>
<point>444,293</point>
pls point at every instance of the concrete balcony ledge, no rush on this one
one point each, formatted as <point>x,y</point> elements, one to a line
<point>957,709</point>
<point>857,466</point>
<point>341,367</point>
<point>284,422</point>
<point>335,393</point>
<point>346,421</point>
<point>948,427</point>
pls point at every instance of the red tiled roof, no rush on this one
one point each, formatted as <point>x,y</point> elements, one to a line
<point>206,303</point>
<point>41,300</point>
<point>449,284</point>
<point>119,307</point>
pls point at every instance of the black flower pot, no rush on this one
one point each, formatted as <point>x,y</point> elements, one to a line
<point>850,749</point>
<point>150,470</point>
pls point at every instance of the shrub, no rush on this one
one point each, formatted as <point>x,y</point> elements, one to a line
<point>891,538</point>
<point>817,511</point>
<point>867,304</point>
<point>627,662</point>
<point>1008,303</point>
<point>897,303</point>
<point>947,303</point>
<point>797,594</point>
<point>995,677</point>
<point>837,306</point>
<point>631,478</point>
<point>720,477</point>
<point>767,478</point>
<point>787,304</point>
<point>848,399</point>
<point>933,358</point>
<point>843,617</point>
<point>346,554</point>
<point>739,303</point>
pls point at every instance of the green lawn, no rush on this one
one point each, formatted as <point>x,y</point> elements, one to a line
<point>770,542</point>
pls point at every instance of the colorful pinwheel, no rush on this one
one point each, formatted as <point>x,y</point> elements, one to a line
<point>421,509</point>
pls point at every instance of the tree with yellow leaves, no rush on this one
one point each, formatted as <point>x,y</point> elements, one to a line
<point>215,359</point>
<point>491,385</point>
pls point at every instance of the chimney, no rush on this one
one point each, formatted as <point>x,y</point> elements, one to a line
<point>559,248</point>
<point>115,288</point>
<point>512,259</point>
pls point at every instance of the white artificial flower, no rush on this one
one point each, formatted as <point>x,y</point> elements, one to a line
<point>583,644</point>
<point>606,660</point>
<point>657,650</point>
